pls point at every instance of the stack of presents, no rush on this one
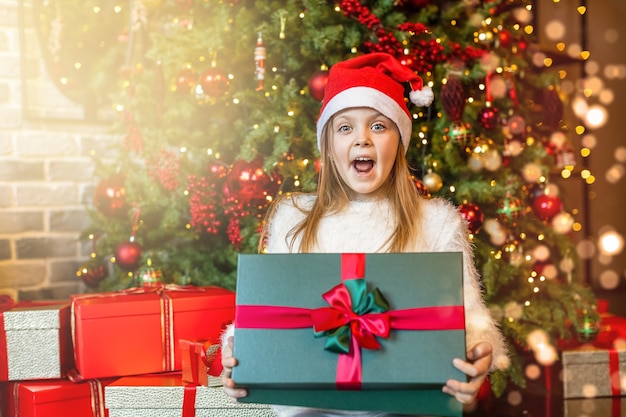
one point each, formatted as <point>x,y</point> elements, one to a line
<point>151,351</point>
<point>594,373</point>
<point>337,331</point>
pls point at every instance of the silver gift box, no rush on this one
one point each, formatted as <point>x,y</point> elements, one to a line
<point>162,395</point>
<point>38,342</point>
<point>586,373</point>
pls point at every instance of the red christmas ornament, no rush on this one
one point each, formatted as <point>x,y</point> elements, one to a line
<point>505,38</point>
<point>461,133</point>
<point>510,210</point>
<point>489,117</point>
<point>552,108</point>
<point>547,206</point>
<point>110,197</point>
<point>473,215</point>
<point>214,82</point>
<point>453,98</point>
<point>317,84</point>
<point>248,184</point>
<point>128,255</point>
<point>92,272</point>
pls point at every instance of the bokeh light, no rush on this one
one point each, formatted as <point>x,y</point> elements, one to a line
<point>610,243</point>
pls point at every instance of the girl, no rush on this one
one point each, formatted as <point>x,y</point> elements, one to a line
<point>366,202</point>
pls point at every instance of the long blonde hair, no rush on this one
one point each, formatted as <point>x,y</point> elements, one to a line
<point>333,195</point>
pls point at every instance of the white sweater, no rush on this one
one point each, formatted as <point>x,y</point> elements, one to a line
<point>364,228</point>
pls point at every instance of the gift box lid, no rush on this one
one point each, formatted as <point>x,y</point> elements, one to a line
<point>138,301</point>
<point>589,356</point>
<point>36,316</point>
<point>164,391</point>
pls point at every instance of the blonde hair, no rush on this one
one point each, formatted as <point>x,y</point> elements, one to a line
<point>333,196</point>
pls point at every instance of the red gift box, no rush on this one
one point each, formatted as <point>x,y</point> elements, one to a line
<point>201,362</point>
<point>137,331</point>
<point>35,340</point>
<point>54,398</point>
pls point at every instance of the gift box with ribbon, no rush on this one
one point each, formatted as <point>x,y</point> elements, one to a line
<point>595,407</point>
<point>53,398</point>
<point>201,362</point>
<point>167,395</point>
<point>137,331</point>
<point>590,372</point>
<point>35,340</point>
<point>350,331</point>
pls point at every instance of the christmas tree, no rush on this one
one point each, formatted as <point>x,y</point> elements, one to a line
<point>217,102</point>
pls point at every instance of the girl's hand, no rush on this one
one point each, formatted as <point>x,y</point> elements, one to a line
<point>228,361</point>
<point>476,367</point>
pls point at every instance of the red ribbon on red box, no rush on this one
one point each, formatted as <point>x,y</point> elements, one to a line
<point>364,327</point>
<point>97,398</point>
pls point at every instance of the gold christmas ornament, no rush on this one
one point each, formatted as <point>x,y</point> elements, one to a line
<point>432,181</point>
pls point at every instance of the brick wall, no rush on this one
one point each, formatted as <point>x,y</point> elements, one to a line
<point>46,171</point>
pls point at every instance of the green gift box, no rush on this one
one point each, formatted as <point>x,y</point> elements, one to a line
<point>370,332</point>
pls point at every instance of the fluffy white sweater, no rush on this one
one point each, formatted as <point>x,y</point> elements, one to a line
<point>364,228</point>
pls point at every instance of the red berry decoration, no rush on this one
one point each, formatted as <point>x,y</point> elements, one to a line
<point>92,272</point>
<point>547,206</point>
<point>110,197</point>
<point>473,215</point>
<point>214,82</point>
<point>317,84</point>
<point>128,255</point>
<point>202,201</point>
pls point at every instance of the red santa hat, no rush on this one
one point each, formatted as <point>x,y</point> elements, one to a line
<point>373,80</point>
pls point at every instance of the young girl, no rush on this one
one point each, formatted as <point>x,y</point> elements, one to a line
<point>366,202</point>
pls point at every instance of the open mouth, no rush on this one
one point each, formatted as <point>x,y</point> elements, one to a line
<point>363,165</point>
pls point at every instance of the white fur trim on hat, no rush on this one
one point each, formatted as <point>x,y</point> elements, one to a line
<point>367,97</point>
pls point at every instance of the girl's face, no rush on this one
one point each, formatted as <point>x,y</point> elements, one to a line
<point>363,147</point>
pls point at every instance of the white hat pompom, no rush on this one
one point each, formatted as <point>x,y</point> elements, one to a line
<point>423,97</point>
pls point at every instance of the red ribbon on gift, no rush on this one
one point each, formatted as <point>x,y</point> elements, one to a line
<point>189,401</point>
<point>97,398</point>
<point>210,354</point>
<point>614,373</point>
<point>365,327</point>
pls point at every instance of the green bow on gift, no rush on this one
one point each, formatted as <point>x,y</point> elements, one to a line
<point>353,313</point>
